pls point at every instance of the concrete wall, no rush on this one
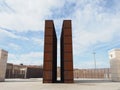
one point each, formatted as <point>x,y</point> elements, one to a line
<point>3,62</point>
<point>34,72</point>
<point>101,73</point>
<point>114,56</point>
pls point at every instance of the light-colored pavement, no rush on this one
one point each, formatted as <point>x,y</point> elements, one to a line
<point>36,84</point>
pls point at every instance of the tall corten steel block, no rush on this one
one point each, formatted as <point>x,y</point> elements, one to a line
<point>66,53</point>
<point>50,53</point>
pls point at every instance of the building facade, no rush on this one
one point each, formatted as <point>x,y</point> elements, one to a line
<point>114,56</point>
<point>24,71</point>
<point>28,71</point>
<point>98,73</point>
<point>3,63</point>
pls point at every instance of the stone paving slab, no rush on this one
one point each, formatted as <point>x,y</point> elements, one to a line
<point>36,84</point>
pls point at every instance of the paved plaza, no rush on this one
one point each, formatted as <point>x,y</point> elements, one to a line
<point>36,84</point>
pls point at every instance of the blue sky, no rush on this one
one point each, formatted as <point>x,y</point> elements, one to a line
<point>95,25</point>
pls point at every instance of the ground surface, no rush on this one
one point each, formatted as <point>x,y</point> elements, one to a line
<point>36,84</point>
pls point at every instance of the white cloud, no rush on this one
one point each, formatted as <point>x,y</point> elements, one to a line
<point>4,34</point>
<point>14,46</point>
<point>38,41</point>
<point>28,15</point>
<point>31,58</point>
<point>92,25</point>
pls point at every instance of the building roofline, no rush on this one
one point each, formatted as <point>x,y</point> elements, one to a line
<point>3,50</point>
<point>115,49</point>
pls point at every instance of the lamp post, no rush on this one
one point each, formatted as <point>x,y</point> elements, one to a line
<point>94,59</point>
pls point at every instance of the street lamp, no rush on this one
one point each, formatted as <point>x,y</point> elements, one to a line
<point>94,59</point>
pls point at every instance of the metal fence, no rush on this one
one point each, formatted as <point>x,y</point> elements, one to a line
<point>101,73</point>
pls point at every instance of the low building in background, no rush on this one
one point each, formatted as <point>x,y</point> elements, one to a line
<point>92,73</point>
<point>19,71</point>
<point>9,70</point>
<point>23,71</point>
<point>100,73</point>
<point>34,71</point>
